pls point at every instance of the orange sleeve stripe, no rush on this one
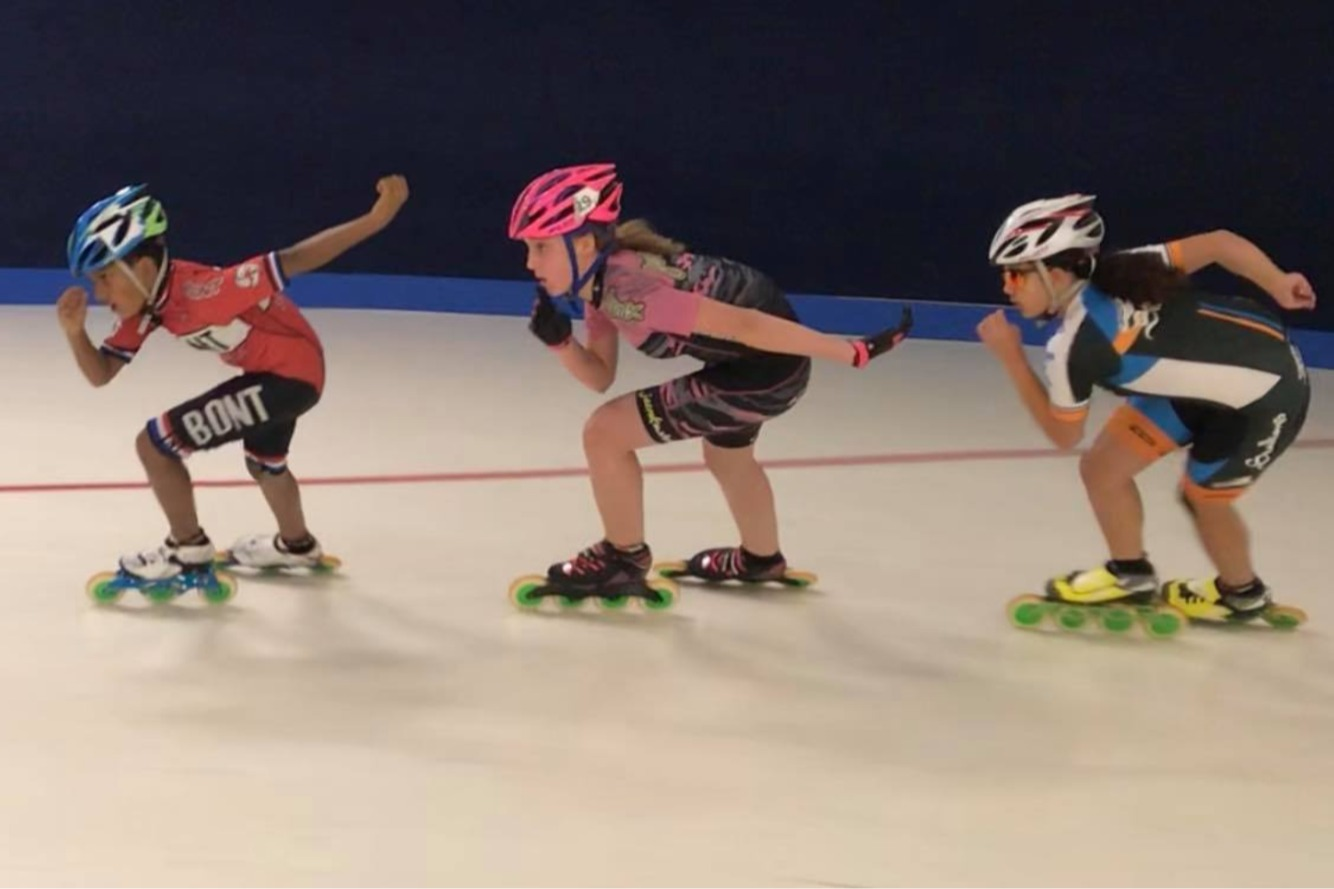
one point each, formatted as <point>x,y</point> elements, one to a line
<point>1174,253</point>
<point>1125,339</point>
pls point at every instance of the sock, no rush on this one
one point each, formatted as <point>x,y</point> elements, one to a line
<point>750,559</point>
<point>199,539</point>
<point>1255,587</point>
<point>1122,567</point>
<point>298,547</point>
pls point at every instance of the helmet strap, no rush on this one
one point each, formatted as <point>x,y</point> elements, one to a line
<point>154,298</point>
<point>1057,301</point>
<point>579,281</point>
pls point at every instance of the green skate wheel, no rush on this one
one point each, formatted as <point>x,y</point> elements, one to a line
<point>525,592</point>
<point>1118,620</point>
<point>1071,618</point>
<point>569,603</point>
<point>612,603</point>
<point>1163,622</point>
<point>798,579</point>
<point>220,589</point>
<point>1026,612</point>
<point>159,592</point>
<point>1283,617</point>
<point>103,589</point>
<point>666,594</point>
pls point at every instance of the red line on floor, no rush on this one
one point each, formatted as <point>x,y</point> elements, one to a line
<point>495,475</point>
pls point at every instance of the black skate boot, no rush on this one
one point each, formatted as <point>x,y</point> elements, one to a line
<point>602,572</point>
<point>720,564</point>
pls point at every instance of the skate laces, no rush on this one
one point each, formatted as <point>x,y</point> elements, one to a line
<point>722,561</point>
<point>592,560</point>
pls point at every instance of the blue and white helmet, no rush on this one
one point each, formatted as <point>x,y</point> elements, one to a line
<point>1040,229</point>
<point>112,227</point>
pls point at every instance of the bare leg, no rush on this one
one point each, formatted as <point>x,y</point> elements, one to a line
<point>170,481</point>
<point>1224,537</point>
<point>283,495</point>
<point>749,496</point>
<point>1108,470</point>
<point>611,436</point>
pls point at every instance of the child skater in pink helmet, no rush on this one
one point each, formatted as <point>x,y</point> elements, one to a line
<point>665,301</point>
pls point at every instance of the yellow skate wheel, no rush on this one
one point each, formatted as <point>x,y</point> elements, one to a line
<point>1284,617</point>
<point>523,592</point>
<point>799,579</point>
<point>102,590</point>
<point>1026,612</point>
<point>667,593</point>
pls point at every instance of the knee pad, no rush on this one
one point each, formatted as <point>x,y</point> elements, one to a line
<point>264,468</point>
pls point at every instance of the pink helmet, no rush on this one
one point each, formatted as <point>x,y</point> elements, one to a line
<point>562,201</point>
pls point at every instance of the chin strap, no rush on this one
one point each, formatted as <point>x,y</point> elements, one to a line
<point>152,299</point>
<point>1056,302</point>
<point>578,281</point>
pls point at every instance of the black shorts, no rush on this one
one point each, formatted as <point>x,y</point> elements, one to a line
<point>725,403</point>
<point>1231,448</point>
<point>259,409</point>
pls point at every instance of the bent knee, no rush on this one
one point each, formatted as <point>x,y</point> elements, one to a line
<point>261,468</point>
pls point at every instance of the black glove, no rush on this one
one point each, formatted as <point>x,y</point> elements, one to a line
<point>871,346</point>
<point>548,323</point>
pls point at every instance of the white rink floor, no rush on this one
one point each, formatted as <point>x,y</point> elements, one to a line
<point>404,724</point>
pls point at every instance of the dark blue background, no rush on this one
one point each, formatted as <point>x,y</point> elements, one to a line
<point>852,148</point>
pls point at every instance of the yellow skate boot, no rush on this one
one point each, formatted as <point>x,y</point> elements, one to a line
<point>1116,597</point>
<point>1211,600</point>
<point>1132,581</point>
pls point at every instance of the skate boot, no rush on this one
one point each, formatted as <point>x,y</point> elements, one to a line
<point>721,564</point>
<point>164,573</point>
<point>602,572</point>
<point>1215,602</point>
<point>1111,582</point>
<point>271,554</point>
<point>1114,597</point>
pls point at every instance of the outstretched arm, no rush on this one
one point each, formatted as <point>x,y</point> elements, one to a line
<point>1244,259</point>
<point>773,334</point>
<point>321,249</point>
